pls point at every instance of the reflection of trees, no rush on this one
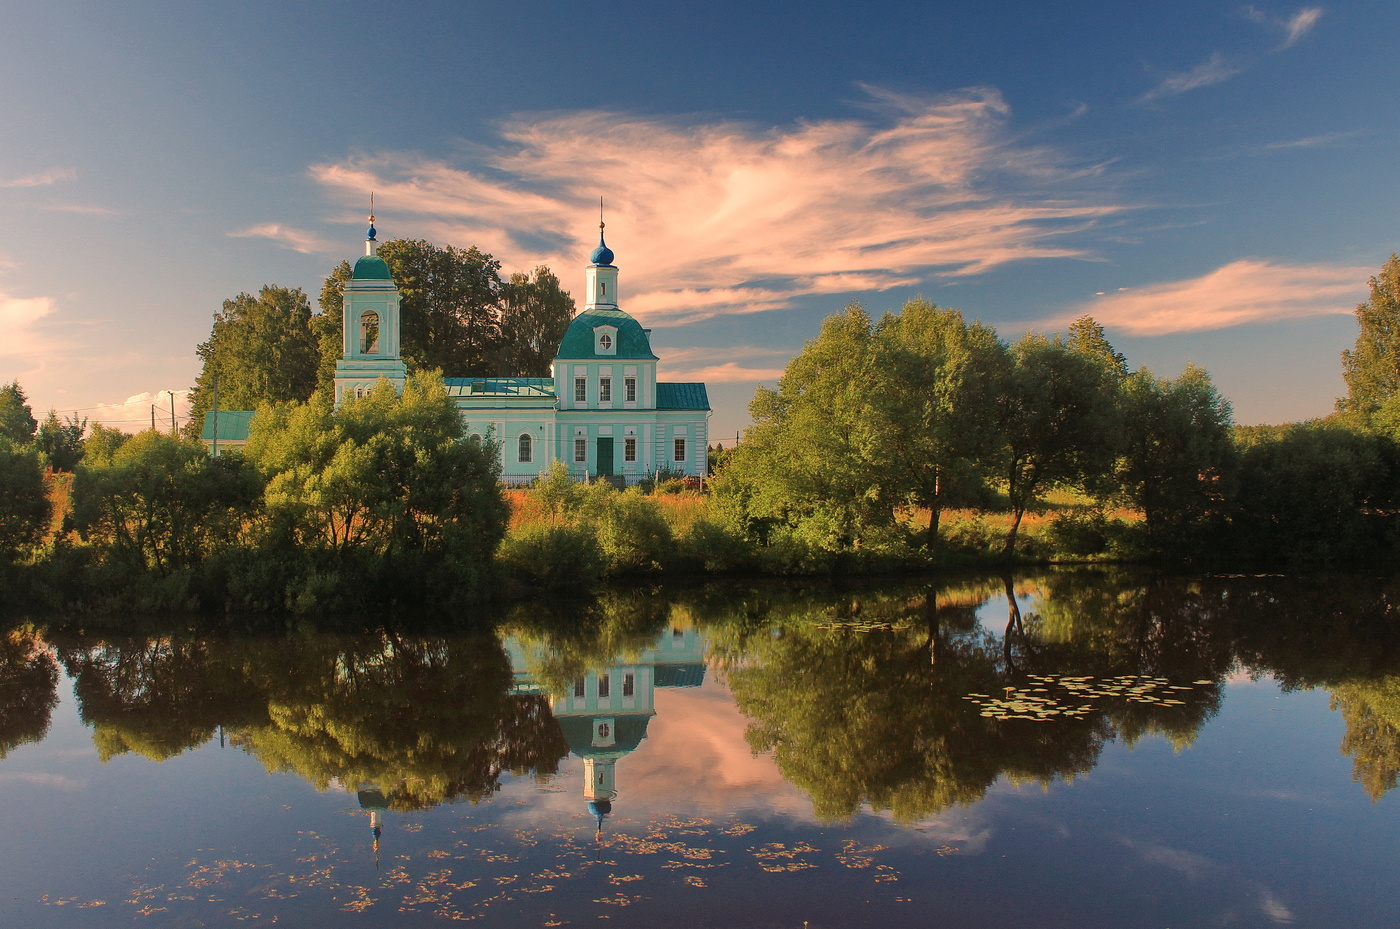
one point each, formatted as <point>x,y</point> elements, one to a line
<point>159,696</point>
<point>1338,635</point>
<point>425,720</point>
<point>1109,626</point>
<point>864,701</point>
<point>28,689</point>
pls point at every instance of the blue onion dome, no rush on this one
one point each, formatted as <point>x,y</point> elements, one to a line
<point>602,255</point>
<point>372,232</point>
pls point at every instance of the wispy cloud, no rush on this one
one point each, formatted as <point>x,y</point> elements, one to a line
<point>1314,141</point>
<point>736,365</point>
<point>298,240</point>
<point>42,179</point>
<point>89,209</point>
<point>1293,27</point>
<point>714,218</point>
<point>1245,291</point>
<point>1214,70</point>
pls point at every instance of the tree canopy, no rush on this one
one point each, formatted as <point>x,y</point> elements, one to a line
<point>1372,367</point>
<point>17,422</point>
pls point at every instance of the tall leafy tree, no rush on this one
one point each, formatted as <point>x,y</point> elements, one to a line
<point>1177,449</point>
<point>17,422</point>
<point>1086,337</point>
<point>811,460</point>
<point>933,399</point>
<point>24,499</point>
<point>1372,366</point>
<point>60,441</point>
<point>261,350</point>
<point>535,312</point>
<point>451,306</point>
<point>1058,423</point>
<point>329,326</point>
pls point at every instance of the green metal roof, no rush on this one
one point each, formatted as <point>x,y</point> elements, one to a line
<point>536,387</point>
<point>632,341</point>
<point>233,425</point>
<point>681,397</point>
<point>628,732</point>
<point>372,268</point>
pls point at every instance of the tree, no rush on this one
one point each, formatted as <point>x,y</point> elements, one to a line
<point>261,350</point>
<point>24,499</point>
<point>451,306</point>
<point>17,421</point>
<point>811,461</point>
<point>1177,448</point>
<point>329,326</point>
<point>1057,422</point>
<point>1087,337</point>
<point>60,441</point>
<point>535,313</point>
<point>932,400</point>
<point>159,503</point>
<point>382,488</point>
<point>1372,367</point>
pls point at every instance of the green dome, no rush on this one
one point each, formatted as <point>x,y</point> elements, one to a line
<point>632,341</point>
<point>372,268</point>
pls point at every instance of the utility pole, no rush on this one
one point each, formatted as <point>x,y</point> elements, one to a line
<point>172,411</point>
<point>153,417</point>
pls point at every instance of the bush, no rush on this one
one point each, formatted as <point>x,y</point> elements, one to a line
<point>554,557</point>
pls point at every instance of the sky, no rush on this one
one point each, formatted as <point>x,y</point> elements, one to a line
<point>1213,181</point>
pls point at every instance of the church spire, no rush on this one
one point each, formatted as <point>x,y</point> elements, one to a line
<point>602,255</point>
<point>371,244</point>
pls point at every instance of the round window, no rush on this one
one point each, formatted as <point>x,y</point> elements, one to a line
<point>605,342</point>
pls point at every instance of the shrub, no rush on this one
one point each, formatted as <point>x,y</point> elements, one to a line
<point>553,557</point>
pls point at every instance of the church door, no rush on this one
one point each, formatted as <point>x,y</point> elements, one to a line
<point>605,457</point>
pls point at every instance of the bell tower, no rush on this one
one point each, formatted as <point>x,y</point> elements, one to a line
<point>370,326</point>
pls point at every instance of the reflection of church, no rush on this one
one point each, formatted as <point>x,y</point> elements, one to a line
<point>604,713</point>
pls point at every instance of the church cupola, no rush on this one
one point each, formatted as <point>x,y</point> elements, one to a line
<point>601,275</point>
<point>369,325</point>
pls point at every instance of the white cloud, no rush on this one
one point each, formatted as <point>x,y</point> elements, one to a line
<point>134,413</point>
<point>298,240</point>
<point>1245,291</point>
<point>1294,27</point>
<point>1214,70</point>
<point>722,217</point>
<point>42,179</point>
<point>21,321</point>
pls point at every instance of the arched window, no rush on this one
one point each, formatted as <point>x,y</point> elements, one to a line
<point>527,449</point>
<point>476,437</point>
<point>369,333</point>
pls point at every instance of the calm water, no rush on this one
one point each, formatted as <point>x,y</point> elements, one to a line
<point>1114,751</point>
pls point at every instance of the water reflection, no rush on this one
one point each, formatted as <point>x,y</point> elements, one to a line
<point>906,700</point>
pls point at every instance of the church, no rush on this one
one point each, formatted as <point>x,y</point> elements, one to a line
<point>602,411</point>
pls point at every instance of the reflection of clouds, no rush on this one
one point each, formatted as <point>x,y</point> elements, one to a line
<point>1190,864</point>
<point>43,779</point>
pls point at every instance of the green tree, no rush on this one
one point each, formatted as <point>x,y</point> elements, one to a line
<point>261,350</point>
<point>1058,423</point>
<point>386,485</point>
<point>28,689</point>
<point>60,441</point>
<point>535,313</point>
<point>1314,492</point>
<point>159,503</point>
<point>24,499</point>
<point>811,460</point>
<point>451,306</point>
<point>17,422</point>
<point>1177,449</point>
<point>932,401</point>
<point>1086,337</point>
<point>329,326</point>
<point>1372,367</point>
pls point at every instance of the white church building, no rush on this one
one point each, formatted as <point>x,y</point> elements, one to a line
<point>602,412</point>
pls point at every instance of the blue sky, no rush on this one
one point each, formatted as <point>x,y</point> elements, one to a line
<point>1213,181</point>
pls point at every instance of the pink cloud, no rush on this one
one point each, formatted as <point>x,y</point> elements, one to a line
<point>298,240</point>
<point>732,365</point>
<point>724,217</point>
<point>1245,291</point>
